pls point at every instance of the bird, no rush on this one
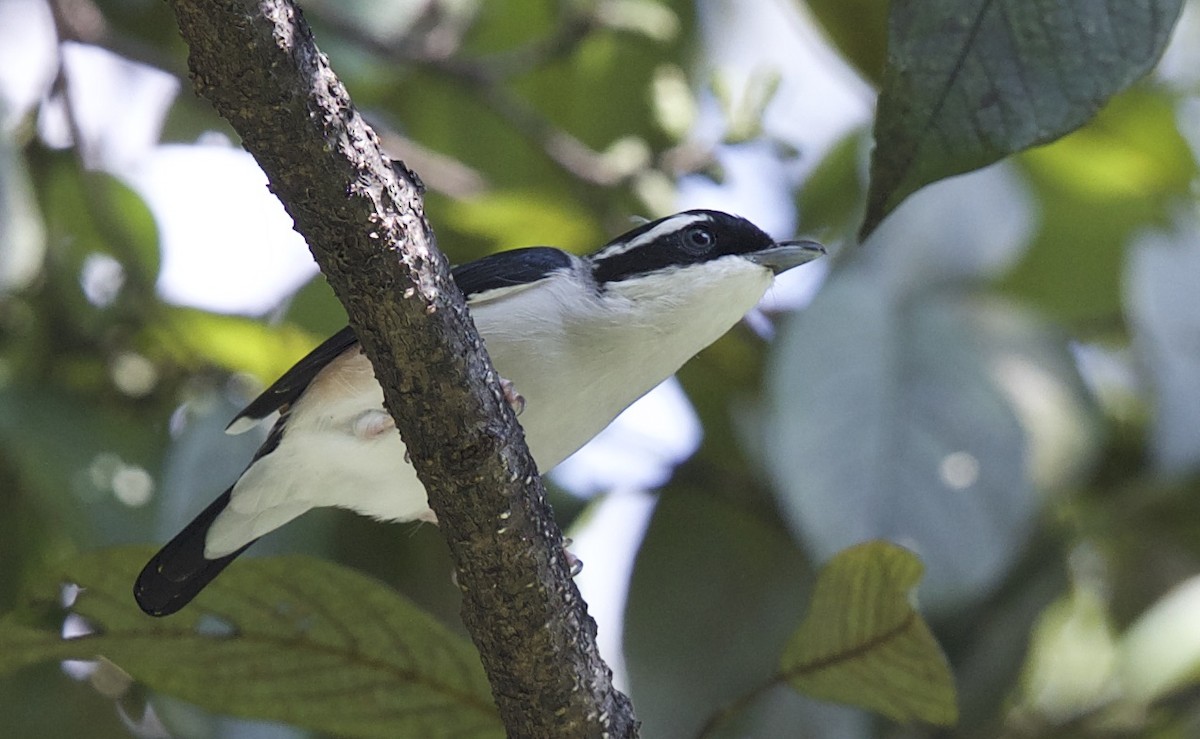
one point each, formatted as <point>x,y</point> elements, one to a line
<point>577,340</point>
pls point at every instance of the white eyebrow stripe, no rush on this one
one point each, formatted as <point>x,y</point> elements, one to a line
<point>673,223</point>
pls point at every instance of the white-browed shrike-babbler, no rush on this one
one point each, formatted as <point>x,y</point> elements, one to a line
<point>580,338</point>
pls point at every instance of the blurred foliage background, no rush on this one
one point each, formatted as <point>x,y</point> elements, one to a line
<point>1004,376</point>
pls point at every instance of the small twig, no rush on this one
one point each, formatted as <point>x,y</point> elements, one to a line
<point>568,152</point>
<point>439,172</point>
<point>487,77</point>
<point>572,29</point>
<point>739,704</point>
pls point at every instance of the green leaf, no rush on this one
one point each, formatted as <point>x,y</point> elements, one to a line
<point>831,200</point>
<point>1160,652</point>
<point>513,218</point>
<point>859,30</point>
<point>1097,188</point>
<point>61,466</point>
<point>709,610</point>
<point>1071,667</point>
<point>95,212</point>
<point>1164,308</point>
<point>235,343</point>
<point>863,643</point>
<point>127,224</point>
<point>289,639</point>
<point>968,82</point>
<point>885,421</point>
<point>22,233</point>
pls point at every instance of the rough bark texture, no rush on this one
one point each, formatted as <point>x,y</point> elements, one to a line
<point>362,216</point>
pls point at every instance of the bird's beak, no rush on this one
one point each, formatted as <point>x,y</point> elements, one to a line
<point>787,254</point>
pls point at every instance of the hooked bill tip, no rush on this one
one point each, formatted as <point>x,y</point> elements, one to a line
<point>787,254</point>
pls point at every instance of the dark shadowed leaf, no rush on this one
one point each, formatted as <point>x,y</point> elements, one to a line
<point>709,611</point>
<point>831,200</point>
<point>94,212</point>
<point>22,232</point>
<point>863,643</point>
<point>289,639</point>
<point>970,81</point>
<point>859,30</point>
<point>68,469</point>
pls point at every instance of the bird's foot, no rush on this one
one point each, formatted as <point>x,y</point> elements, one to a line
<point>574,563</point>
<point>515,400</point>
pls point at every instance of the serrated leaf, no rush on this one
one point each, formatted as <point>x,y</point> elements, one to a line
<point>863,643</point>
<point>290,639</point>
<point>967,83</point>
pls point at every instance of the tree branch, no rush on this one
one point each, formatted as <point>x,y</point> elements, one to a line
<point>363,217</point>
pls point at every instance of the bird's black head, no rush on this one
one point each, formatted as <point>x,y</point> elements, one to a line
<point>693,237</point>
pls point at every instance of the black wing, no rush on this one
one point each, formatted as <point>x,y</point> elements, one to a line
<point>506,269</point>
<point>510,268</point>
<point>292,384</point>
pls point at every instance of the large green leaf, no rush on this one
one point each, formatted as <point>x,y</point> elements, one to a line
<point>290,639</point>
<point>711,604</point>
<point>863,643</point>
<point>970,81</point>
<point>886,422</point>
<point>68,468</point>
<point>1164,308</point>
<point>94,212</point>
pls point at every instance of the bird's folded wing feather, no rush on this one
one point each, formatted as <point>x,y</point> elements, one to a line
<point>284,391</point>
<point>504,271</point>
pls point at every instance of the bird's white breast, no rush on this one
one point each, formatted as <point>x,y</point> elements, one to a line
<point>578,363</point>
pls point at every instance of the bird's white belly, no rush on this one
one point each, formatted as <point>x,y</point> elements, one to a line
<point>576,374</point>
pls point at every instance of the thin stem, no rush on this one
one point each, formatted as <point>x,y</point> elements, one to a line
<point>739,704</point>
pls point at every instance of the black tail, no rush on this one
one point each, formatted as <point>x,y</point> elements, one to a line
<point>180,571</point>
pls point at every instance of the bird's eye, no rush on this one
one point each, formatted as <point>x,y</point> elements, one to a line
<point>698,238</point>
